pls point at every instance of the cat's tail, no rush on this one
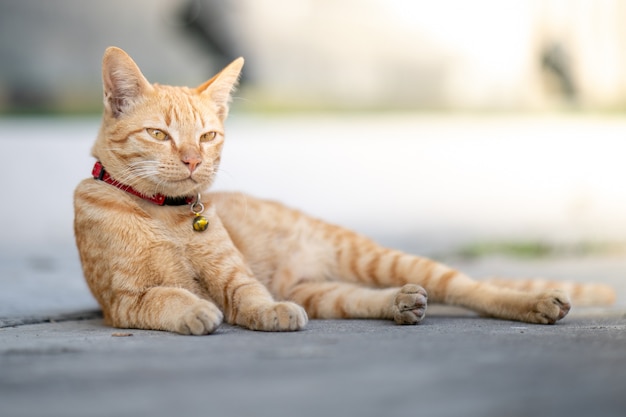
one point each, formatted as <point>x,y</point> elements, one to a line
<point>581,294</point>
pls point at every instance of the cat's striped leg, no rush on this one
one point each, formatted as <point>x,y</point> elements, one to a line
<point>361,260</point>
<point>341,300</point>
<point>448,286</point>
<point>163,308</point>
<point>251,306</point>
<point>248,303</point>
<point>581,294</point>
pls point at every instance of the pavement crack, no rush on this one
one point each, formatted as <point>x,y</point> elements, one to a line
<point>53,350</point>
<point>54,318</point>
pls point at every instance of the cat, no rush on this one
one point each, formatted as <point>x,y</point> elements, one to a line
<point>159,253</point>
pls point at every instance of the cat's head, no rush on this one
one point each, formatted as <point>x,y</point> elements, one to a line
<point>161,139</point>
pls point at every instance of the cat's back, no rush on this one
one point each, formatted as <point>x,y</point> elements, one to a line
<point>265,231</point>
<point>239,211</point>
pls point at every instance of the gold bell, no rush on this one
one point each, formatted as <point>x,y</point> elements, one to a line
<point>200,223</point>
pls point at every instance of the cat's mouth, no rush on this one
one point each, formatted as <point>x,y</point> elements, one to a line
<point>187,181</point>
<point>180,180</point>
<point>192,179</point>
<point>187,185</point>
<point>188,178</point>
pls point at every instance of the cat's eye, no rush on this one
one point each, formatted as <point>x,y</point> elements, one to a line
<point>157,134</point>
<point>208,136</point>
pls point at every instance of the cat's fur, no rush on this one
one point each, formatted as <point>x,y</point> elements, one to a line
<point>259,264</point>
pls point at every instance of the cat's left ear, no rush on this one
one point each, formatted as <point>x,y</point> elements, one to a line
<point>220,87</point>
<point>124,84</point>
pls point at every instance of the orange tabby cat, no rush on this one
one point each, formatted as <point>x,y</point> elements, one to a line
<point>158,254</point>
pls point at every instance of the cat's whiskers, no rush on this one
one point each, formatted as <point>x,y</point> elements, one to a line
<point>225,174</point>
<point>136,171</point>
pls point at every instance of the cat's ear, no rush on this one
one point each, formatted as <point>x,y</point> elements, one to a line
<point>124,84</point>
<point>220,87</point>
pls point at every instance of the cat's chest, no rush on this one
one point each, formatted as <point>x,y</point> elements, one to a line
<point>183,226</point>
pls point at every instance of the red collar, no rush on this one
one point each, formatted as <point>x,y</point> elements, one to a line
<point>99,173</point>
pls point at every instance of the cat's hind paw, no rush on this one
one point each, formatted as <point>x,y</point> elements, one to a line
<point>409,305</point>
<point>201,318</point>
<point>550,307</point>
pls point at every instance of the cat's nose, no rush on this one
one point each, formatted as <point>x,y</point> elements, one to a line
<point>192,162</point>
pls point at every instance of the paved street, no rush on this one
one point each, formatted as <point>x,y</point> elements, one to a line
<point>447,366</point>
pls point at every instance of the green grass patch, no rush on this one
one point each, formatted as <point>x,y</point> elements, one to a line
<point>540,249</point>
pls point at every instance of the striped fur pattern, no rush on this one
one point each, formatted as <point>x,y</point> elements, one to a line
<point>259,264</point>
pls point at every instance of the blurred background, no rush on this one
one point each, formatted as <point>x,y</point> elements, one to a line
<point>326,54</point>
<point>448,126</point>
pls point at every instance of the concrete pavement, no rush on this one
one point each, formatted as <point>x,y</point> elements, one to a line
<point>447,366</point>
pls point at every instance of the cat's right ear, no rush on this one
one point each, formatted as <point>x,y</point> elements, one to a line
<point>220,87</point>
<point>124,84</point>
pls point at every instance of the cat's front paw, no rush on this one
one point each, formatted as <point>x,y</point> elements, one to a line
<point>409,305</point>
<point>550,307</point>
<point>201,318</point>
<point>280,317</point>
